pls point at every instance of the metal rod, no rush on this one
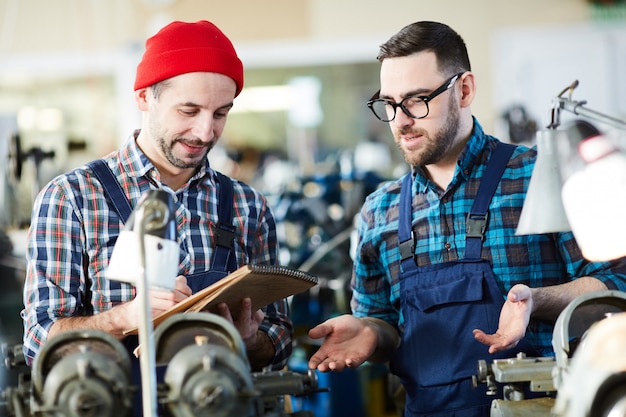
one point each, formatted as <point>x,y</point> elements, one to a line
<point>577,107</point>
<point>147,355</point>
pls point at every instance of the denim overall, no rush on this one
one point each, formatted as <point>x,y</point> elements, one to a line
<point>442,304</point>
<point>222,264</point>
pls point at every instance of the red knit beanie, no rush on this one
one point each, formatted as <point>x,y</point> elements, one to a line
<point>182,47</point>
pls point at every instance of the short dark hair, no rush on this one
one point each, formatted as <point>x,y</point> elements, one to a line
<point>448,46</point>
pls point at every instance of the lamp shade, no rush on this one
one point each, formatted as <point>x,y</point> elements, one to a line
<point>543,210</point>
<point>595,199</point>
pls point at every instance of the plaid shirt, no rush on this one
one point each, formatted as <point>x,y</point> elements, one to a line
<point>71,235</point>
<point>438,220</point>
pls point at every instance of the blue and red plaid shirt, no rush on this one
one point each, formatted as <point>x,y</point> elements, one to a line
<point>438,221</point>
<point>72,223</point>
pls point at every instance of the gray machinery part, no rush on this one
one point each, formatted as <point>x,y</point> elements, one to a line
<point>82,373</point>
<point>589,331</point>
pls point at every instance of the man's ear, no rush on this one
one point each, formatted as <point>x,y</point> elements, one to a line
<point>468,89</point>
<point>141,97</point>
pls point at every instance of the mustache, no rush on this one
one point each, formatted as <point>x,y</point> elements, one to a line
<point>195,142</point>
<point>413,131</point>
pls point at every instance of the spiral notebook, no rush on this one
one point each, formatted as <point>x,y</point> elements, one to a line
<point>263,284</point>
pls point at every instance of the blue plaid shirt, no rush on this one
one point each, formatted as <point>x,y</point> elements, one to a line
<point>438,219</point>
<point>72,223</point>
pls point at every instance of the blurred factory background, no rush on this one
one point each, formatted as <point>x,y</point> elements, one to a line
<point>300,131</point>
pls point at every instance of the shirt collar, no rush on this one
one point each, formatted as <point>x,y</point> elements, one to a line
<point>472,151</point>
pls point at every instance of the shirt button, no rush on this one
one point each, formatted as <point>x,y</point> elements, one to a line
<point>447,245</point>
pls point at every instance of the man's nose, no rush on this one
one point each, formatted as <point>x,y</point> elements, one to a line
<point>401,119</point>
<point>203,128</point>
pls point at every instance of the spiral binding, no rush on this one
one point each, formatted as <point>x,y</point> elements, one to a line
<point>283,270</point>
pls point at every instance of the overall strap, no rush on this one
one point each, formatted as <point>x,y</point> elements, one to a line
<point>476,223</point>
<point>406,237</point>
<point>115,198</point>
<point>113,192</point>
<point>477,218</point>
<point>223,257</point>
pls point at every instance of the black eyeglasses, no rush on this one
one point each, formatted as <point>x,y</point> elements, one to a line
<point>413,106</point>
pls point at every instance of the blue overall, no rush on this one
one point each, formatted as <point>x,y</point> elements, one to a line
<point>222,264</point>
<point>441,304</point>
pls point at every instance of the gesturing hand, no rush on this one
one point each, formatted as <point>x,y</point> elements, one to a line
<point>348,342</point>
<point>514,319</point>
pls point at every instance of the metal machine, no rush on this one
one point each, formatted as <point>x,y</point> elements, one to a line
<point>79,373</point>
<point>587,376</point>
<point>207,373</point>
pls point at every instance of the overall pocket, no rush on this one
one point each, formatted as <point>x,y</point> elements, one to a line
<point>441,307</point>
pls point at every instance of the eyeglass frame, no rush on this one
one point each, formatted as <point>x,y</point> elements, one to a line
<point>442,88</point>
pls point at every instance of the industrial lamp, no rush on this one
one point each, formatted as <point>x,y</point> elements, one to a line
<point>543,210</point>
<point>589,201</point>
<point>146,255</point>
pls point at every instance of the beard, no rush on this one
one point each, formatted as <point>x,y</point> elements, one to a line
<point>167,148</point>
<point>435,146</point>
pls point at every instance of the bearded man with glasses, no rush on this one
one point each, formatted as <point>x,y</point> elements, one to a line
<point>440,278</point>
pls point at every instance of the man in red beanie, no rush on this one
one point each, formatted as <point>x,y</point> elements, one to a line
<point>185,87</point>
